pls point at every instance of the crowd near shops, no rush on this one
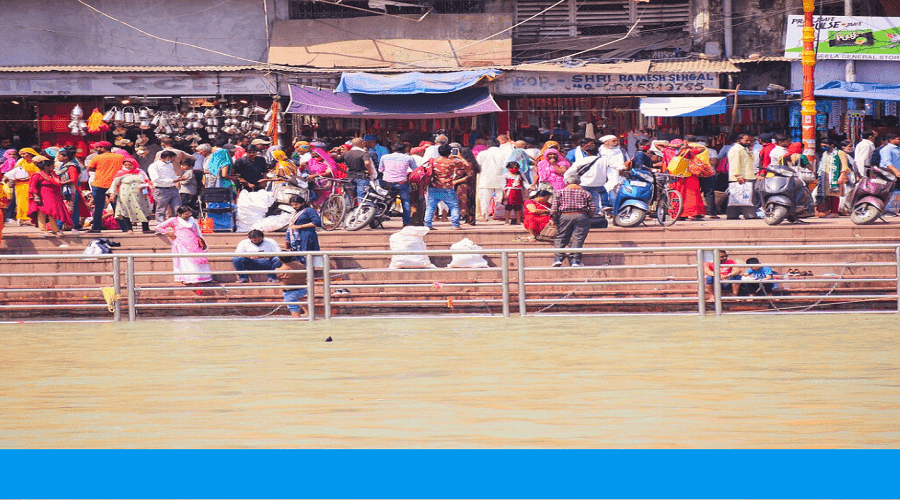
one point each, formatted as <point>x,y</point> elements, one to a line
<point>515,180</point>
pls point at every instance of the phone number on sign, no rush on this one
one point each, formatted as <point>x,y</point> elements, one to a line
<point>641,87</point>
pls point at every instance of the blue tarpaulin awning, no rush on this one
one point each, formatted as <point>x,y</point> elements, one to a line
<point>856,90</point>
<point>683,106</point>
<point>413,82</point>
<point>467,102</point>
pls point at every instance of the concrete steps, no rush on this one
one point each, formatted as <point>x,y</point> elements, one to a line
<point>52,281</point>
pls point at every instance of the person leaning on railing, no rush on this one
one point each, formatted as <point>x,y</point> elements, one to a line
<point>572,208</point>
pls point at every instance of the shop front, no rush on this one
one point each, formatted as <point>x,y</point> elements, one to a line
<point>597,99</point>
<point>398,107</point>
<point>858,60</point>
<point>51,106</point>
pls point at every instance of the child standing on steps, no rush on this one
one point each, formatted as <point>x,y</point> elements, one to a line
<point>513,193</point>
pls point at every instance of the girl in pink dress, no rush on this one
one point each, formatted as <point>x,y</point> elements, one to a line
<point>186,238</point>
<point>46,199</point>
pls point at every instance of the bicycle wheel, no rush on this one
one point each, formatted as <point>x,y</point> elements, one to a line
<point>670,208</point>
<point>332,213</point>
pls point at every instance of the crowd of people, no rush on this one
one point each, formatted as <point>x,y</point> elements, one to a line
<point>518,182</point>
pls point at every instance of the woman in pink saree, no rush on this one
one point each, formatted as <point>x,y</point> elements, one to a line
<point>321,167</point>
<point>186,238</point>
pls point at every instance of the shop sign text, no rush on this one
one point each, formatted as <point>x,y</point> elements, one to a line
<point>576,83</point>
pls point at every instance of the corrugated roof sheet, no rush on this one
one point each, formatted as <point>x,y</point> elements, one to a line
<point>695,66</point>
<point>195,69</point>
<point>122,69</point>
<point>760,59</point>
<point>628,68</point>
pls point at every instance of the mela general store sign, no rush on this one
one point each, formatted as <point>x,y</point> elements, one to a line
<point>841,37</point>
<point>533,83</point>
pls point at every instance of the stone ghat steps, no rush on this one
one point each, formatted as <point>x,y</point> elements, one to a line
<point>26,240</point>
<point>217,302</point>
<point>374,269</point>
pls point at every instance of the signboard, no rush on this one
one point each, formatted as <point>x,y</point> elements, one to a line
<point>838,37</point>
<point>135,84</point>
<point>533,83</point>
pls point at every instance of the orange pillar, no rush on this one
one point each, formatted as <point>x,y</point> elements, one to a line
<point>808,60</point>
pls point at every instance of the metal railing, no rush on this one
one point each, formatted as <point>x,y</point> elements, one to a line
<point>618,279</point>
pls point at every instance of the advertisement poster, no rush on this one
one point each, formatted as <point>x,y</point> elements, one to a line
<point>843,37</point>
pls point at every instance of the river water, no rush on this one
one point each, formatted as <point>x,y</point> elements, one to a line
<point>548,382</point>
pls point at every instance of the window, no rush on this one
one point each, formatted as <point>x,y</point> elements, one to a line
<point>329,9</point>
<point>595,17</point>
<point>308,9</point>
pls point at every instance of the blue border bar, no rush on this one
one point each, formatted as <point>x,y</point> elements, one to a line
<point>449,474</point>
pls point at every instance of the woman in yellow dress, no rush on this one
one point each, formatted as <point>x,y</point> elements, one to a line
<point>27,154</point>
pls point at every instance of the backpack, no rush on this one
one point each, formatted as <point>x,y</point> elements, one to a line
<point>875,159</point>
<point>422,173</point>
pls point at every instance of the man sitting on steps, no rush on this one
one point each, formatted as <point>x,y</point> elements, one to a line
<point>256,242</point>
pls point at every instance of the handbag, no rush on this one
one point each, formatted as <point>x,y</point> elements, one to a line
<point>679,166</point>
<point>548,234</point>
<point>700,168</point>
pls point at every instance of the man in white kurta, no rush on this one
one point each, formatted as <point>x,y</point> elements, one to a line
<point>492,180</point>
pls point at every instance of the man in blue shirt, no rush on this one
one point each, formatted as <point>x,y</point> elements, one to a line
<point>890,154</point>
<point>376,151</point>
<point>758,272</point>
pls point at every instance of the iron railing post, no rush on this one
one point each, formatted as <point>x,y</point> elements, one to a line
<point>326,285</point>
<point>117,287</point>
<point>701,284</point>
<point>129,282</point>
<point>717,281</point>
<point>504,281</point>
<point>520,261</point>
<point>897,260</point>
<point>310,286</point>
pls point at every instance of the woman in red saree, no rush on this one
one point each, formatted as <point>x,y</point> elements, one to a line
<point>688,187</point>
<point>537,212</point>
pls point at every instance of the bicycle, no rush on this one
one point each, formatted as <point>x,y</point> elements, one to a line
<point>335,208</point>
<point>668,207</point>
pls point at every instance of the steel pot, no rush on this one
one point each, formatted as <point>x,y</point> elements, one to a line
<point>118,116</point>
<point>144,113</point>
<point>212,121</point>
<point>145,123</point>
<point>110,114</point>
<point>259,110</point>
<point>77,112</point>
<point>129,115</point>
<point>258,125</point>
<point>246,112</point>
<point>269,115</point>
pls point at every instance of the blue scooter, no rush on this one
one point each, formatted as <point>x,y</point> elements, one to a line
<point>634,197</point>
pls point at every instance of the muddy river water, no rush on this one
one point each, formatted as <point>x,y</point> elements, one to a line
<point>547,382</point>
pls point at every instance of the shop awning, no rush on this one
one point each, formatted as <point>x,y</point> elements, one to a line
<point>413,82</point>
<point>856,90</point>
<point>467,102</point>
<point>683,106</point>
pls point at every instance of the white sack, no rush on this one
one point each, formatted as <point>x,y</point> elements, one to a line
<point>273,222</point>
<point>467,259</point>
<point>251,208</point>
<point>409,239</point>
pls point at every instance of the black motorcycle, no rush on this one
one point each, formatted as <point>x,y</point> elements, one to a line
<point>373,209</point>
<point>783,196</point>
